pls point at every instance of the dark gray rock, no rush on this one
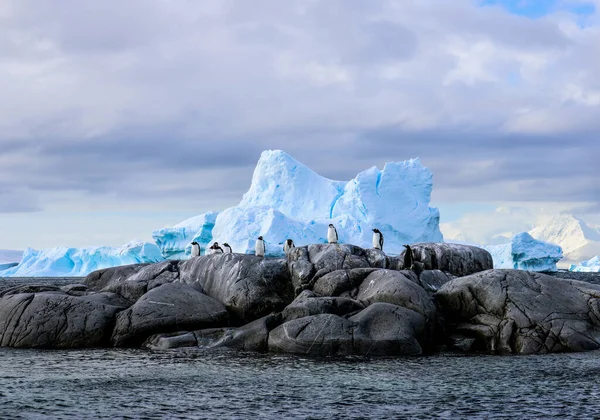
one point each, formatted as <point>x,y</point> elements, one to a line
<point>310,263</point>
<point>168,341</point>
<point>456,259</point>
<point>432,280</point>
<point>317,335</point>
<point>108,298</point>
<point>75,289</point>
<point>30,288</point>
<point>384,329</point>
<point>399,288</point>
<point>306,305</point>
<point>513,311</point>
<point>250,337</point>
<point>249,286</point>
<point>53,320</point>
<point>167,308</point>
<point>340,281</point>
<point>133,281</point>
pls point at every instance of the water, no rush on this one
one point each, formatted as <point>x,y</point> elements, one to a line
<point>189,384</point>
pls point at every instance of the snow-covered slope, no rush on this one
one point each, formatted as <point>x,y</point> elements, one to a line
<point>67,262</point>
<point>526,253</point>
<point>289,200</point>
<point>591,266</point>
<point>578,240</point>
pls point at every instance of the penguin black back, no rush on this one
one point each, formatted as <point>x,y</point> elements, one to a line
<point>408,257</point>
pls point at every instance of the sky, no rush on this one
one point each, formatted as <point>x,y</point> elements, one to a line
<point>118,118</point>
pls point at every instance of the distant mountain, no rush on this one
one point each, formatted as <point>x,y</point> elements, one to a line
<point>578,240</point>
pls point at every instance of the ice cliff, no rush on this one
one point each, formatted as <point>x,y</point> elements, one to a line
<point>288,200</point>
<point>590,266</point>
<point>68,262</point>
<point>526,253</point>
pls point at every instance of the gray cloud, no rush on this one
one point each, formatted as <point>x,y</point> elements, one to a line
<point>152,100</point>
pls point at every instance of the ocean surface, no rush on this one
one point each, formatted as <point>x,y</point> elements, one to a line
<point>192,384</point>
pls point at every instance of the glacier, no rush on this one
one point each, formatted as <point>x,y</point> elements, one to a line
<point>524,252</point>
<point>590,266</point>
<point>287,199</point>
<point>76,262</point>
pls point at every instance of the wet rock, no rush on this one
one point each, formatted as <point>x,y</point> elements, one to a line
<point>249,286</point>
<point>513,311</point>
<point>167,308</point>
<point>53,320</point>
<point>317,335</point>
<point>384,329</point>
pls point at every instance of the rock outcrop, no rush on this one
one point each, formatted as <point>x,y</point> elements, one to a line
<point>168,308</point>
<point>322,300</point>
<point>53,319</point>
<point>513,311</point>
<point>249,286</point>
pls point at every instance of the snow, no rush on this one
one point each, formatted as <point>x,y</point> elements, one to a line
<point>591,266</point>
<point>289,200</point>
<point>524,252</point>
<point>75,262</point>
<point>174,242</point>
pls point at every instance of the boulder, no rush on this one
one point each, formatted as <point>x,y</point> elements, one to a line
<point>133,281</point>
<point>167,308</point>
<point>456,259</point>
<point>307,304</point>
<point>317,335</point>
<point>513,311</point>
<point>250,337</point>
<point>432,280</point>
<point>384,329</point>
<point>54,320</point>
<point>340,281</point>
<point>30,288</point>
<point>400,288</point>
<point>249,286</point>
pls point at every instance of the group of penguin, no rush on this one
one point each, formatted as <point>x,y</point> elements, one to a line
<point>259,247</point>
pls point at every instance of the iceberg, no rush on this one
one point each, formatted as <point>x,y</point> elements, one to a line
<point>76,262</point>
<point>526,253</point>
<point>174,242</point>
<point>287,199</point>
<point>590,266</point>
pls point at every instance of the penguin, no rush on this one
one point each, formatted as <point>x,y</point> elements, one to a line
<point>195,249</point>
<point>332,236</point>
<point>259,247</point>
<point>408,257</point>
<point>227,248</point>
<point>288,245</point>
<point>416,267</point>
<point>377,239</point>
<point>216,249</point>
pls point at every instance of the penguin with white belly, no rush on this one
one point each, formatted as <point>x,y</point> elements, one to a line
<point>332,235</point>
<point>195,249</point>
<point>377,239</point>
<point>288,245</point>
<point>259,247</point>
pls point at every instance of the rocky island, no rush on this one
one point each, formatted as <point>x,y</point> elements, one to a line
<point>323,299</point>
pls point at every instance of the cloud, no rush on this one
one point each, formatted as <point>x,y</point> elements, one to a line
<point>133,102</point>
